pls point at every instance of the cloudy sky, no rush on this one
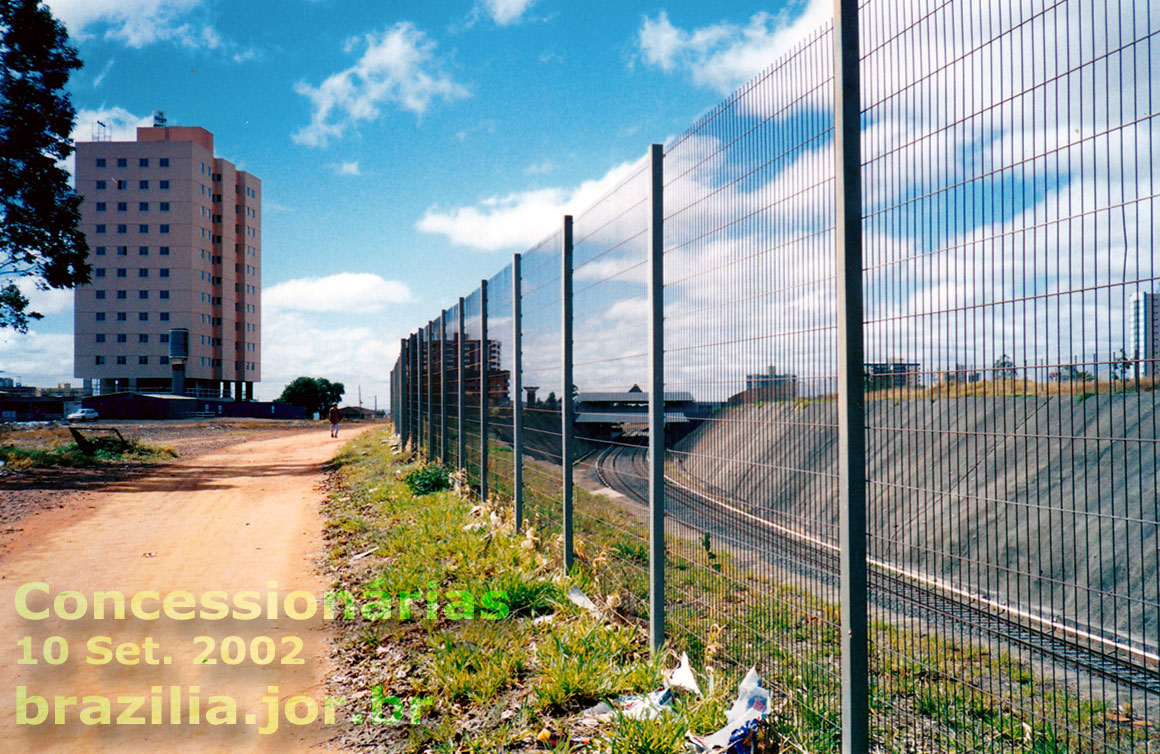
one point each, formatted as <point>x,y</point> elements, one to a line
<point>406,149</point>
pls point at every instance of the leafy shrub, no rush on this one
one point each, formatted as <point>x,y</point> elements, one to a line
<point>427,479</point>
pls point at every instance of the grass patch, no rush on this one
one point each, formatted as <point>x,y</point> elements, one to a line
<point>107,450</point>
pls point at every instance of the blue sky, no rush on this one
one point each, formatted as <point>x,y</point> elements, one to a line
<point>407,149</point>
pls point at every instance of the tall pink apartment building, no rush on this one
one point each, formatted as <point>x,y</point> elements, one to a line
<point>175,243</point>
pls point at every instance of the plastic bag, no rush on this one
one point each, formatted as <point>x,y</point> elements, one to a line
<point>739,736</point>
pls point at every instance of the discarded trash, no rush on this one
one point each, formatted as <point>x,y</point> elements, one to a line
<point>580,599</point>
<point>653,705</point>
<point>682,677</point>
<point>639,707</point>
<point>739,736</point>
<point>363,554</point>
<point>554,738</point>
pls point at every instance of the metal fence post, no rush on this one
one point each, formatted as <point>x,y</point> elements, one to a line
<point>518,391</point>
<point>413,390</point>
<point>443,387</point>
<point>484,379</point>
<point>401,399</point>
<point>420,390</point>
<point>851,398</point>
<point>460,435</point>
<point>430,392</point>
<point>566,409</point>
<point>656,401</point>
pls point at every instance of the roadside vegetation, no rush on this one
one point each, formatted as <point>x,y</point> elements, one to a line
<point>52,448</point>
<point>512,684</point>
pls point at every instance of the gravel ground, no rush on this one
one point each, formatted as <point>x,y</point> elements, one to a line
<point>23,493</point>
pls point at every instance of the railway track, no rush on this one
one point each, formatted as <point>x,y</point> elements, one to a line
<point>623,469</point>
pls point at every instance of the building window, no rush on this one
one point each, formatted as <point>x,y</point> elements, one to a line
<point>163,162</point>
<point>164,228</point>
<point>121,361</point>
<point>100,360</point>
<point>100,251</point>
<point>122,272</point>
<point>143,162</point>
<point>122,162</point>
<point>142,228</point>
<point>143,185</point>
<point>100,228</point>
<point>100,337</point>
<point>122,185</point>
<point>163,294</point>
<point>122,338</point>
<point>142,206</point>
<point>100,316</point>
<point>164,206</point>
<point>143,295</point>
<point>122,251</point>
<point>165,185</point>
<point>122,316</point>
<point>102,162</point>
<point>143,251</point>
<point>142,359</point>
<point>142,316</point>
<point>122,206</point>
<point>164,316</point>
<point>100,272</point>
<point>163,360</point>
<point>164,272</point>
<point>122,229</point>
<point>143,338</point>
<point>100,295</point>
<point>143,272</point>
<point>164,250</point>
<point>101,206</point>
<point>102,185</point>
<point>122,295</point>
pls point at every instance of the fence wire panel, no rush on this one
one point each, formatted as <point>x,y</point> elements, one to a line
<point>1011,424</point>
<point>451,392</point>
<point>472,354</point>
<point>501,345</point>
<point>750,341</point>
<point>542,341</point>
<point>610,364</point>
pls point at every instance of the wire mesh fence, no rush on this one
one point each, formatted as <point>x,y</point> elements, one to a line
<point>1010,324</point>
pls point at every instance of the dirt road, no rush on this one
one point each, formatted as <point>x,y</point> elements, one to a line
<point>164,676</point>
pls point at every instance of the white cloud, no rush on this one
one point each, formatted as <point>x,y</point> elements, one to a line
<point>296,345</point>
<point>540,168</point>
<point>100,78</point>
<point>137,23</point>
<point>397,66</point>
<point>353,293</point>
<point>506,12</point>
<point>52,301</point>
<point>346,168</point>
<point>119,125</point>
<point>37,358</point>
<point>517,220</point>
<point>723,55</point>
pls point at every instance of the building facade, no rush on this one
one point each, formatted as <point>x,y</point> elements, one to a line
<point>1145,323</point>
<point>175,243</point>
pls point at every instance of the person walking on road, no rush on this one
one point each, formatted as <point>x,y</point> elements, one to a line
<point>335,417</point>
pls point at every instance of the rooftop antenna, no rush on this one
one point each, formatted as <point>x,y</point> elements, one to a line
<point>101,131</point>
<point>159,119</point>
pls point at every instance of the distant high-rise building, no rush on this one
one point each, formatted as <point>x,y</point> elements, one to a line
<point>175,243</point>
<point>1145,323</point>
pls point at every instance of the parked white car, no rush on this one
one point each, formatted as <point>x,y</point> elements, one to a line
<point>84,415</point>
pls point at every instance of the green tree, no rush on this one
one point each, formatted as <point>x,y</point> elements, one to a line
<point>40,238</point>
<point>1121,366</point>
<point>312,393</point>
<point>1004,368</point>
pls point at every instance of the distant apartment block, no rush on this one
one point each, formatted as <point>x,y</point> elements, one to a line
<point>175,243</point>
<point>891,374</point>
<point>770,386</point>
<point>1145,324</point>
